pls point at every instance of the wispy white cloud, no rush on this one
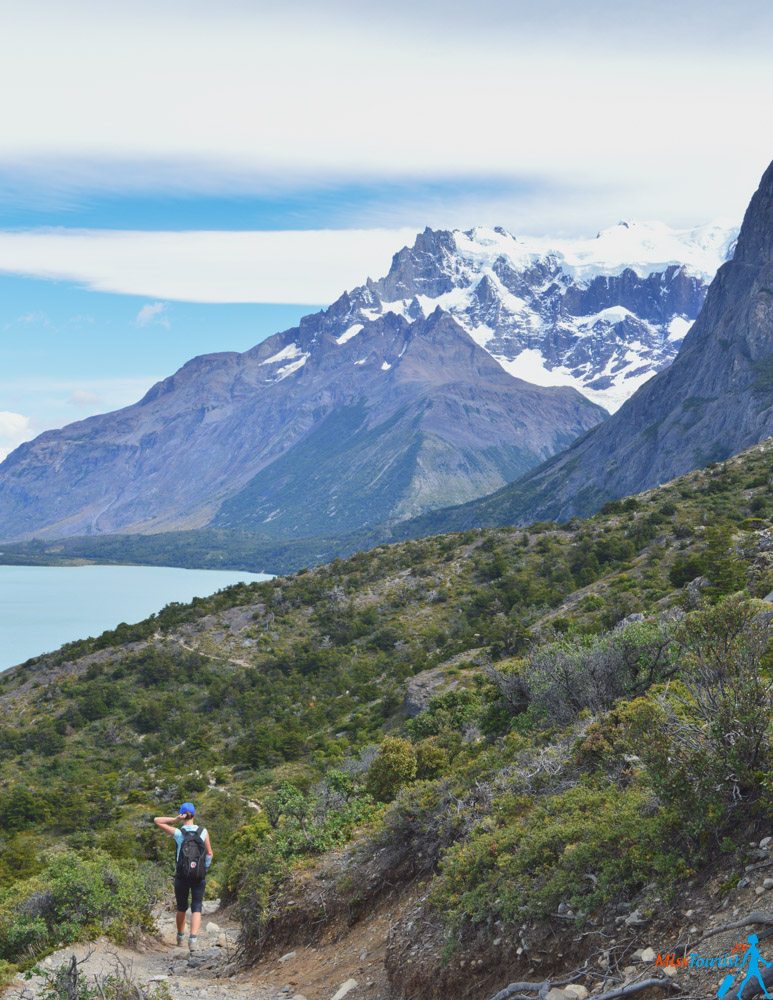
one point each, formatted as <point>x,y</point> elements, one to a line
<point>52,399</point>
<point>85,398</point>
<point>154,313</point>
<point>15,428</point>
<point>34,318</point>
<point>621,95</point>
<point>304,267</point>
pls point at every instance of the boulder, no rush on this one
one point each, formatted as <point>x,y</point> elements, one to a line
<point>345,989</point>
<point>423,687</point>
<point>637,616</point>
<point>636,919</point>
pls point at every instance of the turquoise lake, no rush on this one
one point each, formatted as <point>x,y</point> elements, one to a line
<point>42,607</point>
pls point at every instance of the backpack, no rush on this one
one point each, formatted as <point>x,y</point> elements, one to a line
<point>190,860</point>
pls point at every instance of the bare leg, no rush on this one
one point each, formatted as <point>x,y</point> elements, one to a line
<point>180,918</point>
<point>195,923</point>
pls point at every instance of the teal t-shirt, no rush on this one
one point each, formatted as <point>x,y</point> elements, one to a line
<point>178,838</point>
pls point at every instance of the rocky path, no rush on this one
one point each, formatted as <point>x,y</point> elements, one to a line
<point>203,974</point>
<point>209,973</point>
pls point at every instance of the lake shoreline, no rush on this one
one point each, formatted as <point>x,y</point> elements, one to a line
<point>43,607</point>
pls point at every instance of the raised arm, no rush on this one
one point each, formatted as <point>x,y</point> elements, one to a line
<point>165,822</point>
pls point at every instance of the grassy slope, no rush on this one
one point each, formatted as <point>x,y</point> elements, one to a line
<point>230,698</point>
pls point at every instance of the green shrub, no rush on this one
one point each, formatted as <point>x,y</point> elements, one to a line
<point>706,742</point>
<point>394,766</point>
<point>246,843</point>
<point>293,826</point>
<point>19,857</point>
<point>562,678</point>
<point>446,714</point>
<point>7,973</point>
<point>432,760</point>
<point>76,897</point>
<point>585,847</point>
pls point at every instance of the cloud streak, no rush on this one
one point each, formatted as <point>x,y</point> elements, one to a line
<point>153,313</point>
<point>605,92</point>
<point>84,398</point>
<point>303,267</point>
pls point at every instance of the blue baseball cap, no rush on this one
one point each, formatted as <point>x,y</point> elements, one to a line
<point>188,807</point>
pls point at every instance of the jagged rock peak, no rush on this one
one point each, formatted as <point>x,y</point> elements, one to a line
<point>601,315</point>
<point>755,240</point>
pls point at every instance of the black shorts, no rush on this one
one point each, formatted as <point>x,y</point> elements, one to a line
<point>184,887</point>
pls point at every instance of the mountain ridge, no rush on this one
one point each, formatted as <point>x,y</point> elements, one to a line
<point>201,436</point>
<point>215,443</point>
<point>715,400</point>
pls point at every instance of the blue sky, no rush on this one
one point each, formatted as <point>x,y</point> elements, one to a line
<point>182,177</point>
<point>68,352</point>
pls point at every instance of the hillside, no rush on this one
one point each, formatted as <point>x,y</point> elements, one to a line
<point>477,357</point>
<point>345,436</point>
<point>496,736</point>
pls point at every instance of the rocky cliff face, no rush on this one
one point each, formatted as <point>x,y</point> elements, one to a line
<point>407,394</point>
<point>714,400</point>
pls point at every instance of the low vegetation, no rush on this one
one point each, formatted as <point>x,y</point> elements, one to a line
<point>75,896</point>
<point>603,721</point>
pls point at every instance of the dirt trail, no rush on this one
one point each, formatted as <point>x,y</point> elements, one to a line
<point>208,974</point>
<point>158,959</point>
<point>212,656</point>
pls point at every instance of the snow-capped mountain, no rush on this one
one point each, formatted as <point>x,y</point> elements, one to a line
<point>407,394</point>
<point>715,400</point>
<point>601,315</point>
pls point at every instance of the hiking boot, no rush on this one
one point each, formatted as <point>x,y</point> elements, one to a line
<point>193,942</point>
<point>180,939</point>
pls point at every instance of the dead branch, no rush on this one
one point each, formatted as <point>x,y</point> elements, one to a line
<point>71,979</point>
<point>512,992</point>
<point>757,867</point>
<point>645,984</point>
<point>755,917</point>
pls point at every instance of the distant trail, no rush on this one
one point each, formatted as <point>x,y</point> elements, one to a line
<point>213,656</point>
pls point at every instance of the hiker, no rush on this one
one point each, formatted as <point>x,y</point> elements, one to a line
<point>194,856</point>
